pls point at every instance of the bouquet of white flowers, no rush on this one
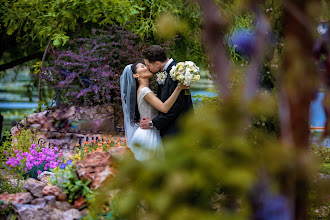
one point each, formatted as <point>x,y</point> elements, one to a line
<point>185,72</point>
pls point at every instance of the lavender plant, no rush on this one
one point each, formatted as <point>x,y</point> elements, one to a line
<point>87,72</point>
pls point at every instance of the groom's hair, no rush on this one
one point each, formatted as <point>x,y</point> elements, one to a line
<point>155,53</point>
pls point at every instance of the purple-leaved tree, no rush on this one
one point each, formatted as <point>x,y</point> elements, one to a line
<point>87,72</point>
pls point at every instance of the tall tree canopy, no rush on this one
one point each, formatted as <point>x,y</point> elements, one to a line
<point>26,27</point>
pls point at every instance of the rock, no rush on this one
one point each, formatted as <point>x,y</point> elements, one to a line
<point>67,215</point>
<point>72,214</point>
<point>96,167</point>
<point>50,201</point>
<point>35,187</point>
<point>54,191</point>
<point>22,198</point>
<point>39,202</point>
<point>44,176</point>
<point>322,176</point>
<point>63,206</point>
<point>118,151</point>
<point>78,203</point>
<point>28,212</point>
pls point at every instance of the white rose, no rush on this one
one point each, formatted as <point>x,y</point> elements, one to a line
<point>197,77</point>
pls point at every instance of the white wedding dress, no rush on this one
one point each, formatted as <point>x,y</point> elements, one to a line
<point>146,143</point>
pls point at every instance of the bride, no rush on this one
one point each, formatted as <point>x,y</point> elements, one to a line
<point>139,101</point>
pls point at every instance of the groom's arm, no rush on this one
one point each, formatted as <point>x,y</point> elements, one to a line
<point>163,119</point>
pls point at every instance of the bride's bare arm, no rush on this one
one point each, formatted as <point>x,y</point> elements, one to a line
<point>167,105</point>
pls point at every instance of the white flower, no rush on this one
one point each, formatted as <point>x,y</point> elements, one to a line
<point>161,77</point>
<point>185,72</point>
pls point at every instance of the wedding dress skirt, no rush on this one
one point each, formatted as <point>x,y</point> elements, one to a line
<point>146,143</point>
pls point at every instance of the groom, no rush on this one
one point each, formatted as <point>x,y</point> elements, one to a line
<point>156,61</point>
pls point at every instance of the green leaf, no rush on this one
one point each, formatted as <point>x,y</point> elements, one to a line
<point>10,31</point>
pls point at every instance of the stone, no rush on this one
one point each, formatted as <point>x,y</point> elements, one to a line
<point>54,191</point>
<point>96,167</point>
<point>39,202</point>
<point>63,205</point>
<point>35,187</point>
<point>71,214</point>
<point>322,176</point>
<point>22,198</point>
<point>78,203</point>
<point>118,151</point>
<point>35,212</point>
<point>50,200</point>
<point>44,176</point>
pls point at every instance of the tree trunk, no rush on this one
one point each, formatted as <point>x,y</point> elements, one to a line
<point>299,81</point>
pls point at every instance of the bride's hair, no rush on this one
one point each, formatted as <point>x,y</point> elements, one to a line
<point>133,67</point>
<point>137,114</point>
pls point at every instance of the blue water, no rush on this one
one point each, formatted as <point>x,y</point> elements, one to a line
<point>200,92</point>
<point>317,114</point>
<point>18,105</point>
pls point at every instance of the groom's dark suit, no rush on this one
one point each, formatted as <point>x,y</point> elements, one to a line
<point>167,122</point>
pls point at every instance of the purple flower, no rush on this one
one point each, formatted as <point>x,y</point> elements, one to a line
<point>63,165</point>
<point>69,162</point>
<point>39,171</point>
<point>243,41</point>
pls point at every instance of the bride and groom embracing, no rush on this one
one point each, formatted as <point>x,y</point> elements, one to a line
<point>158,114</point>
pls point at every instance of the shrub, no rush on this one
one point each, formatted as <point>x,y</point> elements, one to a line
<point>87,72</point>
<point>22,142</point>
<point>325,168</point>
<point>210,168</point>
<point>322,152</point>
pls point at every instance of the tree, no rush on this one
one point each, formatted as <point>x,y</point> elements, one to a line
<point>28,26</point>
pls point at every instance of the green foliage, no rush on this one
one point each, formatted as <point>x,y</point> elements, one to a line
<point>207,166</point>
<point>33,173</point>
<point>318,197</point>
<point>322,152</point>
<point>5,146</point>
<point>61,176</point>
<point>74,187</point>
<point>325,168</point>
<point>42,103</point>
<point>325,16</point>
<point>208,100</point>
<point>8,186</point>
<point>23,140</point>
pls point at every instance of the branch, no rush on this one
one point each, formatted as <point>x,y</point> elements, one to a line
<point>14,63</point>
<point>213,39</point>
<point>260,43</point>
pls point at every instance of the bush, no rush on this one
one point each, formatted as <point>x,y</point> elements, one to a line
<point>209,172</point>
<point>321,152</point>
<point>87,72</point>
<point>325,168</point>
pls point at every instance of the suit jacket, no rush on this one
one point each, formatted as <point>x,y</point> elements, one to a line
<point>167,123</point>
